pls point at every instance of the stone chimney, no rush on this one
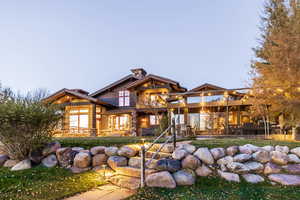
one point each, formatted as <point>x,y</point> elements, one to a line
<point>139,73</point>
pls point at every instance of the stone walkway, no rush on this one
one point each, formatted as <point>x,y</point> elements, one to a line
<point>105,192</point>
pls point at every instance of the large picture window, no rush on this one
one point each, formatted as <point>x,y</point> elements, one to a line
<point>124,98</point>
<point>154,119</point>
<point>120,122</point>
<point>79,119</point>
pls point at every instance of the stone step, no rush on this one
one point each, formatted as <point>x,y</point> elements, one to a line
<point>136,162</point>
<point>122,181</point>
<point>132,172</point>
<point>160,155</point>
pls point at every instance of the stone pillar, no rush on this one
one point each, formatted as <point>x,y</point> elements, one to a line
<point>93,132</point>
<point>134,124</point>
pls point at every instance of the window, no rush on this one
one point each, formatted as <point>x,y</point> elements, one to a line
<point>79,119</point>
<point>124,98</point>
<point>154,119</point>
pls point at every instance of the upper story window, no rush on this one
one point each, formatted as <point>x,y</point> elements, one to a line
<point>124,98</point>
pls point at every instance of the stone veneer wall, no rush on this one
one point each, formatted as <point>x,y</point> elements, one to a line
<point>172,167</point>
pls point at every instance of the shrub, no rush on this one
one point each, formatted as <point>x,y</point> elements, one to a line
<point>26,123</point>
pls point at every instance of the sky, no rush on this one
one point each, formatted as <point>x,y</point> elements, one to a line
<point>89,44</point>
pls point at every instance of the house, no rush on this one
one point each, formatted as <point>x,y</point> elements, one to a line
<point>130,106</point>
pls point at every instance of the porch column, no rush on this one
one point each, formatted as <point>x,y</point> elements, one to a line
<point>134,124</point>
<point>186,117</point>
<point>93,132</point>
<point>239,116</point>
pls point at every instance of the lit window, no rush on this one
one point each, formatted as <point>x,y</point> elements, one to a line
<point>154,119</point>
<point>79,119</point>
<point>124,98</point>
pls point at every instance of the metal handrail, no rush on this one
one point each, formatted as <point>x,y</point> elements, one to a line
<point>161,135</point>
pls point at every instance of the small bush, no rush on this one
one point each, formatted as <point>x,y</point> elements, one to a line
<point>25,123</point>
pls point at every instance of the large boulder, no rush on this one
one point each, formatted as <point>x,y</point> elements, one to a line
<point>168,148</point>
<point>255,166</point>
<point>279,158</point>
<point>136,162</point>
<point>99,159</point>
<point>204,155</point>
<point>248,148</point>
<point>296,151</point>
<point>262,156</point>
<point>50,161</point>
<point>161,179</point>
<point>111,151</point>
<point>293,169</point>
<point>285,179</point>
<point>272,168</point>
<point>283,149</point>
<point>242,157</point>
<point>24,164</point>
<point>168,165</point>
<point>65,156</point>
<point>131,183</point>
<point>268,148</point>
<point>188,147</point>
<point>293,158</point>
<point>78,149</point>
<point>229,176</point>
<point>82,160</point>
<point>226,160</point>
<point>97,150</point>
<point>51,148</point>
<point>203,170</point>
<point>3,159</point>
<point>179,154</point>
<point>239,168</point>
<point>127,151</point>
<point>253,178</point>
<point>190,162</point>
<point>232,150</point>
<point>10,163</point>
<point>117,161</point>
<point>218,153</point>
<point>184,177</point>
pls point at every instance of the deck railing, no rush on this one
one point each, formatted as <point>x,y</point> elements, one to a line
<point>145,150</point>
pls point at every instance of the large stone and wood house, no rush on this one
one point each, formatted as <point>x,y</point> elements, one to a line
<point>135,104</point>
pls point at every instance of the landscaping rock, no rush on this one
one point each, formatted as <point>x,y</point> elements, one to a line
<point>136,162</point>
<point>242,157</point>
<point>111,151</point>
<point>247,149</point>
<point>218,153</point>
<point>272,168</point>
<point>3,159</point>
<point>82,160</point>
<point>127,151</point>
<point>262,156</point>
<point>97,150</point>
<point>10,163</point>
<point>255,166</point>
<point>285,179</point>
<point>190,162</point>
<point>51,148</point>
<point>188,147</point>
<point>184,177</point>
<point>204,155</point>
<point>117,161</point>
<point>50,161</point>
<point>78,149</point>
<point>279,157</point>
<point>283,149</point>
<point>229,176</point>
<point>253,178</point>
<point>168,148</point>
<point>239,168</point>
<point>99,159</point>
<point>36,156</point>
<point>24,164</point>
<point>203,170</point>
<point>179,154</point>
<point>131,183</point>
<point>65,156</point>
<point>231,151</point>
<point>296,151</point>
<point>223,168</point>
<point>77,170</point>
<point>293,158</point>
<point>293,169</point>
<point>268,148</point>
<point>168,165</point>
<point>226,160</point>
<point>161,179</point>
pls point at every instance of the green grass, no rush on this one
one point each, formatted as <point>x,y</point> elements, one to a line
<point>213,188</point>
<point>105,141</point>
<point>212,143</point>
<point>41,183</point>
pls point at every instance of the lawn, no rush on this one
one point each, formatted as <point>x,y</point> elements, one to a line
<point>42,183</point>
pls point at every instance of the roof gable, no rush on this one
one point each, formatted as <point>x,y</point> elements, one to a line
<point>206,87</point>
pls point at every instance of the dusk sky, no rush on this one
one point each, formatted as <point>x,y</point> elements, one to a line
<point>89,44</point>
